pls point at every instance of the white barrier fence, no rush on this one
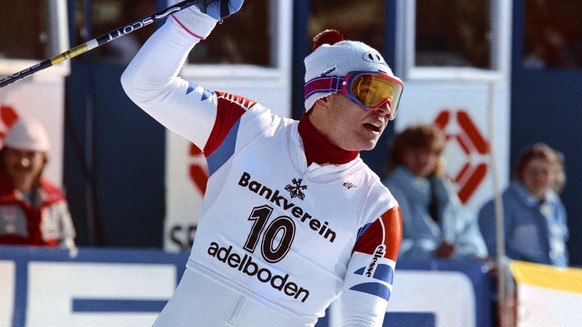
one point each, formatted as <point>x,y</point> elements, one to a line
<point>104,287</point>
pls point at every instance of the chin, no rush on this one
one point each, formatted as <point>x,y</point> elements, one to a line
<point>361,144</point>
<point>368,147</point>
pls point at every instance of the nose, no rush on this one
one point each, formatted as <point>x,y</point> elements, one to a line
<point>25,161</point>
<point>385,110</point>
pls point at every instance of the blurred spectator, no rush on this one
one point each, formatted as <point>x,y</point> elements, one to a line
<point>435,225</point>
<point>535,226</point>
<point>33,211</point>
<point>552,35</point>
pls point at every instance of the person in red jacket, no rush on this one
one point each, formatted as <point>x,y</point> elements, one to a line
<point>33,211</point>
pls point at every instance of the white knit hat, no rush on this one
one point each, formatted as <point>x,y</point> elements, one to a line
<point>338,60</point>
<point>28,134</point>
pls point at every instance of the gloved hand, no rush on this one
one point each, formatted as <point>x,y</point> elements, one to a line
<point>219,9</point>
<point>200,18</point>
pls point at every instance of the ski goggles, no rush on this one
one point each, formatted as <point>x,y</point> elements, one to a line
<point>370,90</point>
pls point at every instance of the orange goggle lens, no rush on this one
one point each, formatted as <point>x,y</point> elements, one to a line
<point>370,90</point>
<point>373,90</point>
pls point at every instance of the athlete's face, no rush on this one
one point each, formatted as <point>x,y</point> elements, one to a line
<point>347,125</point>
<point>23,167</point>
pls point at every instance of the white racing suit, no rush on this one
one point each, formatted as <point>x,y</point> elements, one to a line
<point>277,240</point>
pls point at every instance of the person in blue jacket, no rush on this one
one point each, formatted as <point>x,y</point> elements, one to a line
<point>535,222</point>
<point>435,224</point>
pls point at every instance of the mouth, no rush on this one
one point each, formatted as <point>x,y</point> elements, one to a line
<point>375,127</point>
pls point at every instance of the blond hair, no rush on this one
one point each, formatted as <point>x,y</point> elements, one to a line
<point>545,152</point>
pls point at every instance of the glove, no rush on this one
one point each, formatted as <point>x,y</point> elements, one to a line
<point>200,18</point>
<point>219,9</point>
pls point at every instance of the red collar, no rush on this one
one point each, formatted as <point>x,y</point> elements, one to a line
<point>319,149</point>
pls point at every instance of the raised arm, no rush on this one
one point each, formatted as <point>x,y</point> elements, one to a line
<point>151,80</point>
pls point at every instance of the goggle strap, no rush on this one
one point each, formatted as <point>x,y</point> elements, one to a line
<point>322,84</point>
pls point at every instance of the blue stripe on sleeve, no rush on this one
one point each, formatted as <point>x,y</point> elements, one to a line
<point>224,151</point>
<point>373,288</point>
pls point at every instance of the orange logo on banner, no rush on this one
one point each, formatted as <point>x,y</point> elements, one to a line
<point>197,169</point>
<point>8,117</point>
<point>472,144</point>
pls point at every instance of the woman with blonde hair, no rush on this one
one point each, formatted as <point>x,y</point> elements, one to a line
<point>435,224</point>
<point>535,221</point>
